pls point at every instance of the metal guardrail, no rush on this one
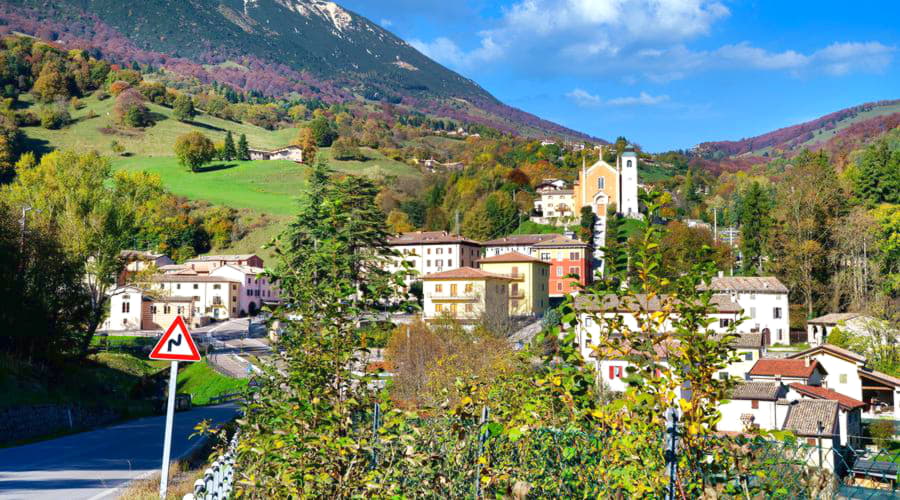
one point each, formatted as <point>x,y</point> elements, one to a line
<point>218,480</point>
<point>221,398</point>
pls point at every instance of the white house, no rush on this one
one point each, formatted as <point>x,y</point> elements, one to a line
<point>753,405</point>
<point>848,375</point>
<point>516,243</point>
<point>430,252</point>
<point>137,261</point>
<point>125,309</point>
<point>849,410</point>
<point>764,301</point>
<point>748,348</point>
<point>291,153</point>
<point>818,424</point>
<point>214,296</point>
<point>817,329</point>
<point>132,308</point>
<point>255,290</point>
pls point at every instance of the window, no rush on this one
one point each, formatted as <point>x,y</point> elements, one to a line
<point>559,271</point>
<point>126,306</point>
<point>454,289</point>
<point>234,298</point>
<point>754,404</point>
<point>217,287</point>
<point>748,356</point>
<point>514,304</point>
<point>628,164</point>
<point>248,280</point>
<point>780,334</point>
<point>723,375</point>
<point>234,310</point>
<point>196,286</point>
<point>428,251</point>
<point>217,301</point>
<point>438,288</point>
<point>468,308</point>
<point>559,287</point>
<point>450,250</point>
<point>842,378</point>
<point>152,309</point>
<point>234,287</point>
<point>439,251</point>
<point>167,309</point>
<point>574,256</point>
<point>573,270</point>
<point>453,309</point>
<point>753,312</point>
<point>249,293</point>
<point>178,286</point>
<point>515,271</point>
<point>776,313</point>
<point>439,308</point>
<point>615,372</point>
<point>180,310</point>
<point>545,256</point>
<point>197,298</point>
<point>601,183</point>
<point>469,288</point>
<point>428,263</point>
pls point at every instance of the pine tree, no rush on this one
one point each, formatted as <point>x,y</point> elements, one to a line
<point>228,151</point>
<point>755,224</point>
<point>243,150</point>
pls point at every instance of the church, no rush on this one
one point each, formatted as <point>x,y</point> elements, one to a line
<point>602,184</point>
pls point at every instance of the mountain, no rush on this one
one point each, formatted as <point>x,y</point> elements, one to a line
<point>309,48</point>
<point>837,133</point>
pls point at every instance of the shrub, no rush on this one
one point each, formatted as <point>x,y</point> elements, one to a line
<point>346,149</point>
<point>130,109</point>
<point>101,95</point>
<point>117,87</point>
<point>194,149</point>
<point>27,119</point>
<point>54,117</point>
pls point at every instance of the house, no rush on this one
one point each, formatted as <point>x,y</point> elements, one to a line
<point>817,329</point>
<point>528,290</point>
<point>214,296</point>
<point>133,308</point>
<point>590,331</point>
<point>614,364</point>
<point>570,263</point>
<point>803,371</point>
<point>255,290</point>
<point>430,252</point>
<point>602,185</point>
<point>551,185</point>
<point>554,207</point>
<point>207,263</point>
<point>291,153</point>
<point>466,295</point>
<point>764,301</point>
<point>698,224</point>
<point>849,410</point>
<point>849,375</point>
<point>520,243</point>
<point>137,261</point>
<point>748,348</point>
<point>753,405</point>
<point>817,423</point>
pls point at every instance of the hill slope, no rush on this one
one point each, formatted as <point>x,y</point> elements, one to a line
<point>310,48</point>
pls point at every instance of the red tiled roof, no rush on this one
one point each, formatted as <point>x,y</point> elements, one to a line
<point>520,239</point>
<point>512,257</point>
<point>465,272</point>
<point>785,368</point>
<point>429,237</point>
<point>179,278</point>
<point>560,241</point>
<point>812,391</point>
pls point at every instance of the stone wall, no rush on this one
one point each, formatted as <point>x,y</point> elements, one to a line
<point>26,422</point>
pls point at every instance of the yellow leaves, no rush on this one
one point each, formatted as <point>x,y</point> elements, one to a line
<point>685,405</point>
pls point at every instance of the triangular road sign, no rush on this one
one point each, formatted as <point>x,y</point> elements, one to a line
<point>176,344</point>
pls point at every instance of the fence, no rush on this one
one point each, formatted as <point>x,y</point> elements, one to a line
<point>217,482</point>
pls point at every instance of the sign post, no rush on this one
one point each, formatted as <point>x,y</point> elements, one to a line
<point>175,345</point>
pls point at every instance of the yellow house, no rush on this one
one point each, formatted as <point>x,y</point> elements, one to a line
<point>466,294</point>
<point>529,288</point>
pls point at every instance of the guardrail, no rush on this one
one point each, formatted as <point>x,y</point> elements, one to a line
<point>221,398</point>
<point>218,480</point>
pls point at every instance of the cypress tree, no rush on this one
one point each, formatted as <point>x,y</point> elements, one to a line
<point>228,151</point>
<point>243,150</point>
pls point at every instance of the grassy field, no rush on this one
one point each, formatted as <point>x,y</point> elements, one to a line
<point>202,382</point>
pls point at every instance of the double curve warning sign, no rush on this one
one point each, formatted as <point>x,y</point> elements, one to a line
<point>176,344</point>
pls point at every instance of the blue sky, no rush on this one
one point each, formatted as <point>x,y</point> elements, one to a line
<point>664,73</point>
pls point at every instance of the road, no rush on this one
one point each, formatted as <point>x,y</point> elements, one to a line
<point>95,464</point>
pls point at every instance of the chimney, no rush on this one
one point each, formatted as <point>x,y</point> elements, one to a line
<point>721,274</point>
<point>806,362</point>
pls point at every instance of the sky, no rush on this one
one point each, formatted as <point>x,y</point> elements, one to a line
<point>666,74</point>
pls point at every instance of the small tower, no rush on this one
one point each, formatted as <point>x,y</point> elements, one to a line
<point>628,182</point>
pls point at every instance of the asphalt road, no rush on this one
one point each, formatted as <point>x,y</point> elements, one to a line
<point>95,464</point>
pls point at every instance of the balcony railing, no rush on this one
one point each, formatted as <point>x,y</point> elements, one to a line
<point>464,296</point>
<point>515,276</point>
<point>519,294</point>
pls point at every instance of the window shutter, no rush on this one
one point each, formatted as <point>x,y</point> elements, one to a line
<point>612,372</point>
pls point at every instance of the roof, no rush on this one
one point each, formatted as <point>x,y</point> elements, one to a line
<point>766,284</point>
<point>558,191</point>
<point>881,377</point>
<point>172,267</point>
<point>284,148</point>
<point>211,258</point>
<point>560,241</point>
<point>661,349</point>
<point>512,257</point>
<point>519,240</point>
<point>846,402</point>
<point>834,318</point>
<point>812,417</point>
<point>640,302</point>
<point>785,368</point>
<point>833,349</point>
<point>768,391</point>
<point>172,299</point>
<point>746,340</point>
<point>429,237</point>
<point>465,273</point>
<point>179,278</point>
<point>140,254</point>
<point>244,269</point>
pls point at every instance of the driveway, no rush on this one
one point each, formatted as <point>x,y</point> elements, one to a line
<point>96,464</point>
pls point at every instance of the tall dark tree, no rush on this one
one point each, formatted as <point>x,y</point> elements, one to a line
<point>229,152</point>
<point>878,177</point>
<point>755,222</point>
<point>243,149</point>
<point>586,225</point>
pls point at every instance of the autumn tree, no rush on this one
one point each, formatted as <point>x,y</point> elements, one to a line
<point>51,84</point>
<point>684,247</point>
<point>344,148</point>
<point>306,140</point>
<point>807,201</point>
<point>399,222</point>
<point>130,109</point>
<point>194,150</point>
<point>183,108</point>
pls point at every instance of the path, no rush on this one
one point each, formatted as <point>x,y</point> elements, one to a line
<point>95,464</point>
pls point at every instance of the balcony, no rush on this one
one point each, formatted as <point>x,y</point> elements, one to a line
<point>517,295</point>
<point>514,276</point>
<point>456,297</point>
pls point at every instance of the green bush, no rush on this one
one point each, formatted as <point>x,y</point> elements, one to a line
<point>54,117</point>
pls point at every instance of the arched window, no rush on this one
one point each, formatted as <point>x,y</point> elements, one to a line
<point>628,164</point>
<point>601,183</point>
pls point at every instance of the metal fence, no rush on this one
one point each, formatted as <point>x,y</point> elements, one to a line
<point>217,482</point>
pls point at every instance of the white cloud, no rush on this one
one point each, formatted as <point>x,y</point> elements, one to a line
<point>585,99</point>
<point>642,39</point>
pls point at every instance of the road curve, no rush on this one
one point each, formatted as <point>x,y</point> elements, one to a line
<point>95,464</point>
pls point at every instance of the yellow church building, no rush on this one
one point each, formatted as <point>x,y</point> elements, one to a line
<point>602,184</point>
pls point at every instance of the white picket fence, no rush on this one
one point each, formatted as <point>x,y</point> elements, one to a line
<point>217,482</point>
